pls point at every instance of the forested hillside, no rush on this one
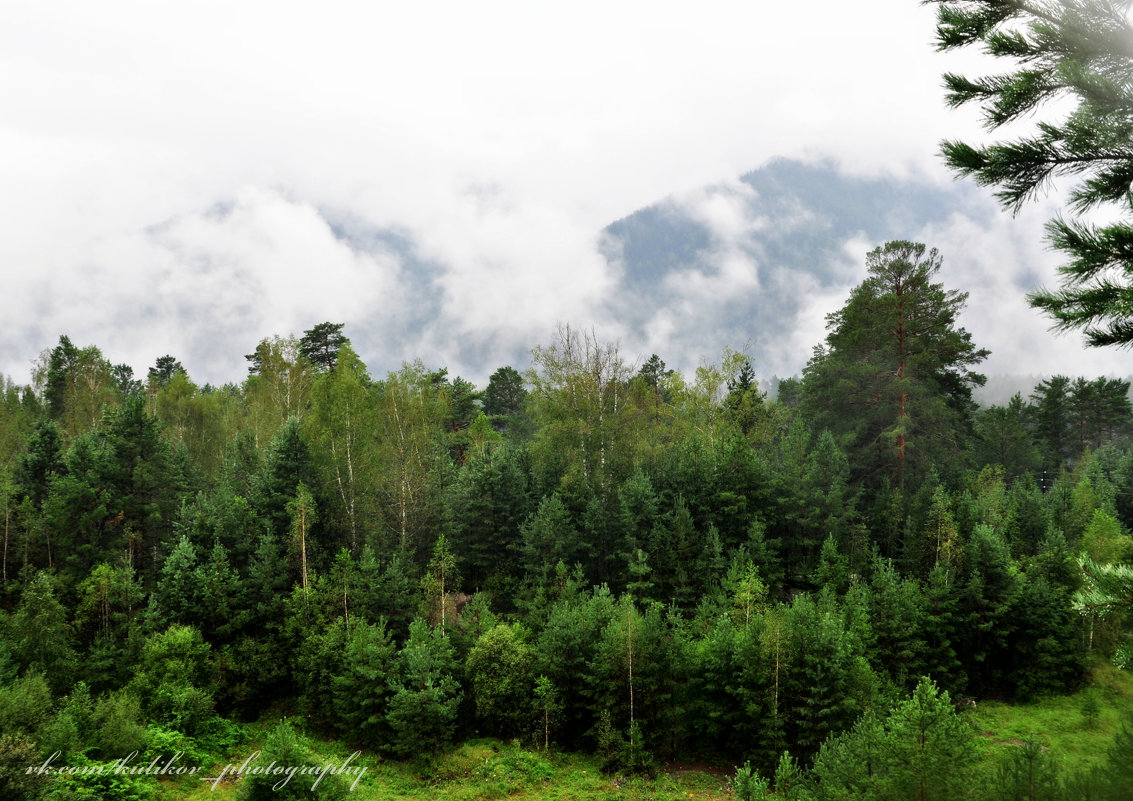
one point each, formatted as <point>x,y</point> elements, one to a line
<point>595,555</point>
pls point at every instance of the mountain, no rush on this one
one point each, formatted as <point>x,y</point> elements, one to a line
<point>756,263</point>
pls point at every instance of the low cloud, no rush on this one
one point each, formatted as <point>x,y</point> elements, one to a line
<point>189,179</point>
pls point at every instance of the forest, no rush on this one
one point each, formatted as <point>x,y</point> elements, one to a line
<point>592,576</point>
<point>595,555</point>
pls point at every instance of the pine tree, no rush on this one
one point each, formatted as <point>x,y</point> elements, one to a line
<point>818,689</point>
<point>1107,591</point>
<point>1050,405</point>
<point>488,503</point>
<point>41,637</point>
<point>361,691</point>
<point>504,399</point>
<point>320,345</point>
<point>287,463</point>
<point>986,602</point>
<point>931,750</point>
<point>422,710</point>
<point>565,649</point>
<point>1076,53</point>
<point>941,626</point>
<point>163,371</point>
<point>1004,437</point>
<point>547,537</point>
<point>898,614</point>
<point>711,707</point>
<point>894,379</point>
<point>220,596</point>
<point>1047,647</point>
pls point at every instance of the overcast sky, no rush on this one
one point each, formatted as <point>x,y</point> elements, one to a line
<point>172,176</point>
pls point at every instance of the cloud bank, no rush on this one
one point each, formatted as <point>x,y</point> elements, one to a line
<point>190,179</point>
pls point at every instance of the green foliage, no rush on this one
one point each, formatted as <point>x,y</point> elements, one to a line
<point>750,786</point>
<point>76,383</point>
<point>488,503</point>
<point>1004,437</point>
<point>25,705</point>
<point>611,745</point>
<point>566,647</point>
<point>40,634</point>
<point>296,775</point>
<point>899,368</point>
<point>426,694</point>
<point>827,678</point>
<point>173,679</point>
<point>1027,773</point>
<point>174,599</point>
<point>921,750</point>
<point>362,690</point>
<point>317,660</point>
<point>440,581</point>
<point>548,709</point>
<point>1075,57</point>
<point>931,750</point>
<point>164,369</point>
<point>499,669</point>
<point>1104,541</point>
<point>17,754</point>
<point>92,781</point>
<point>320,345</point>
<point>547,537</point>
<point>117,728</point>
<point>1047,644</point>
<point>788,777</point>
<point>773,596</point>
<point>344,457</point>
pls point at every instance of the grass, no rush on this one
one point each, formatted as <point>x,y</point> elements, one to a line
<point>483,770</point>
<point>1059,723</point>
<point>480,770</point>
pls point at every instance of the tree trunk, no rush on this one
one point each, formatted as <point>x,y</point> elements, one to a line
<point>303,544</point>
<point>629,649</point>
<point>7,526</point>
<point>902,395</point>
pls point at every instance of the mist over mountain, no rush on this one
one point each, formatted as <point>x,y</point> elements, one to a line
<point>758,262</point>
<point>755,263</point>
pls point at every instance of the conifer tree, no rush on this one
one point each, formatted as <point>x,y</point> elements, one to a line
<point>321,345</point>
<point>422,710</point>
<point>488,503</point>
<point>1050,410</point>
<point>931,751</point>
<point>287,463</point>
<point>41,637</point>
<point>362,690</point>
<point>894,379</point>
<point>566,648</point>
<point>547,537</point>
<point>1076,53</point>
<point>1005,438</point>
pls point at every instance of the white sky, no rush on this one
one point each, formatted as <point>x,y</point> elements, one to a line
<point>499,137</point>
